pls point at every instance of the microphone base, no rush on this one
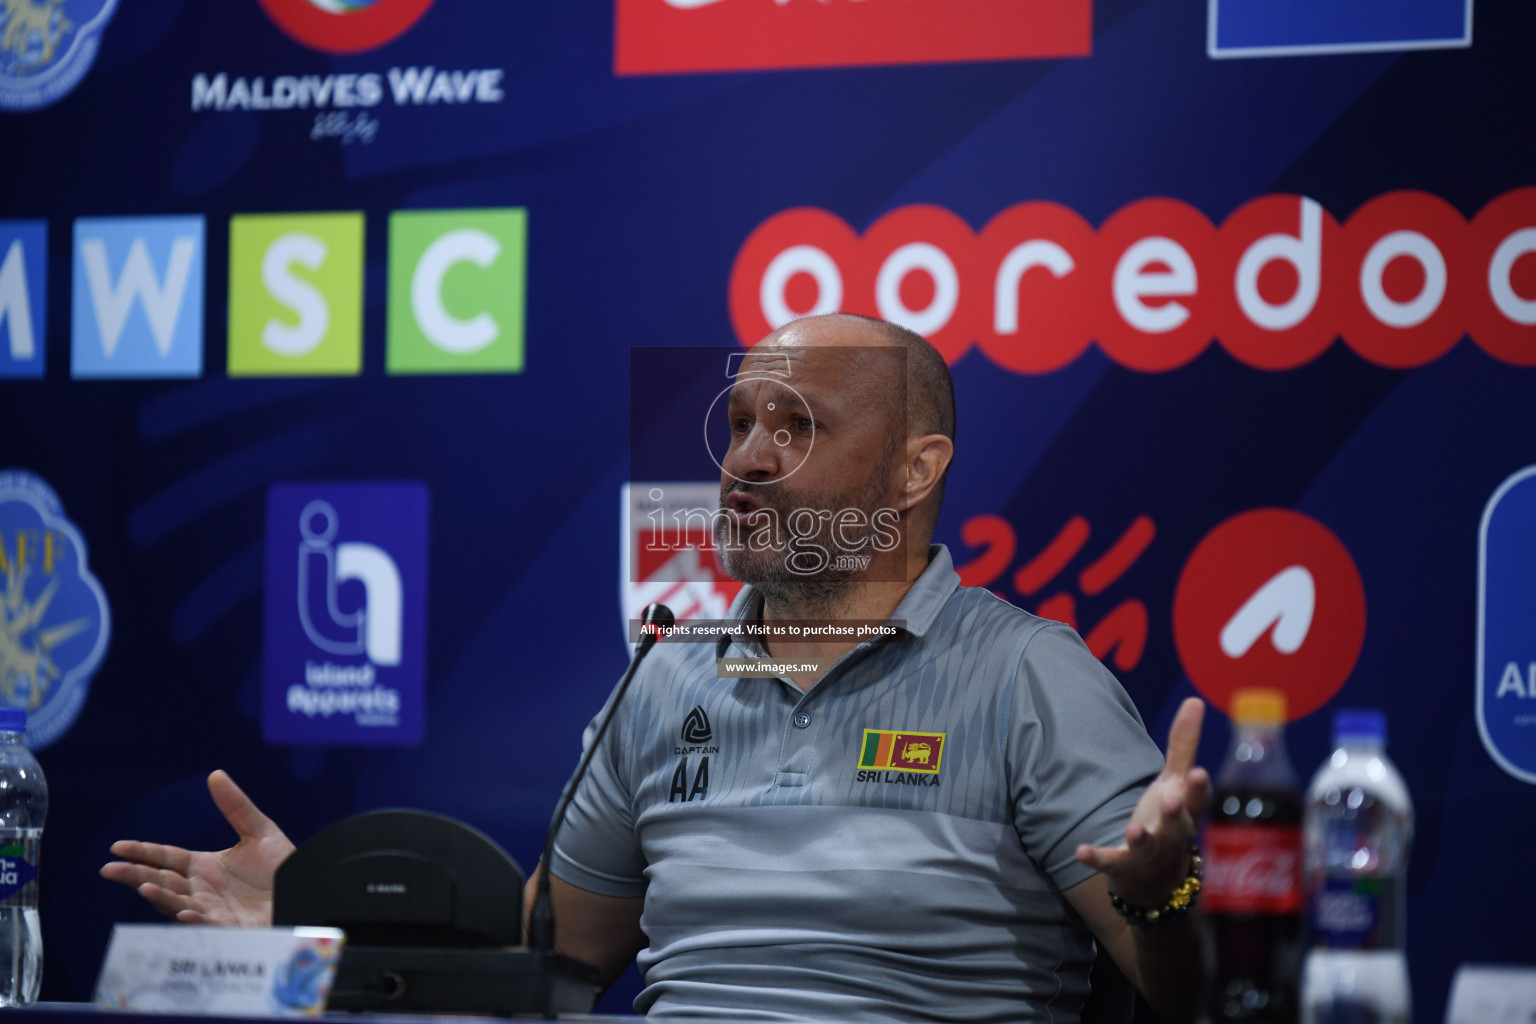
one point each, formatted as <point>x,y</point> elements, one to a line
<point>500,982</point>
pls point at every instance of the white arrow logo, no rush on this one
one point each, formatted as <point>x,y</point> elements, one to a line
<point>1285,602</point>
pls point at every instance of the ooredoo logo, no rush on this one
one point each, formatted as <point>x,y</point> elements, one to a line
<point>1401,280</point>
<point>1270,598</point>
<point>662,36</point>
<point>344,26</point>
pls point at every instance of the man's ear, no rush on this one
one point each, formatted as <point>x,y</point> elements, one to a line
<point>927,458</point>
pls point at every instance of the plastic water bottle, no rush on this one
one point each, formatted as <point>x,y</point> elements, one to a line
<point>1358,830</point>
<point>23,807</point>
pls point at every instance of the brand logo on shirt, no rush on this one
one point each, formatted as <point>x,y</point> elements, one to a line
<point>696,727</point>
<point>696,735</point>
<point>902,758</point>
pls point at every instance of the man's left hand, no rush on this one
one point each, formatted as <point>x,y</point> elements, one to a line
<point>1154,859</point>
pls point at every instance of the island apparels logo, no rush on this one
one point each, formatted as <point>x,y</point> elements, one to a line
<point>54,621</point>
<point>46,48</point>
<point>697,737</point>
<point>344,635</point>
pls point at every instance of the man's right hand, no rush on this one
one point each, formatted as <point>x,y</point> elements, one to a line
<point>231,887</point>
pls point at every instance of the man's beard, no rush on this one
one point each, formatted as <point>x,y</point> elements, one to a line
<point>780,563</point>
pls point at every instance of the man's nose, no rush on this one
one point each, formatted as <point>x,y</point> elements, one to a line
<point>756,457</point>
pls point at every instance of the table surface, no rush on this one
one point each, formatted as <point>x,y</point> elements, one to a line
<point>64,1013</point>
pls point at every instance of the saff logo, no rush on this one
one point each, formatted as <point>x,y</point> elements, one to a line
<point>697,738</point>
<point>1270,598</point>
<point>46,48</point>
<point>23,285</point>
<point>456,287</point>
<point>138,297</point>
<point>343,657</point>
<point>296,295</point>
<point>344,26</point>
<point>54,621</point>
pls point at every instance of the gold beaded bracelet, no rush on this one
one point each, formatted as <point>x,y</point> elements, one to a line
<point>1178,905</point>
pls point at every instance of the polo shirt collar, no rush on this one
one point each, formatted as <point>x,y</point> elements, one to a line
<point>918,608</point>
<point>930,592</point>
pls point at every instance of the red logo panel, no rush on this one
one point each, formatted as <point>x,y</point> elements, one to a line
<point>366,27</point>
<point>661,36</point>
<point>1270,598</point>
<point>1401,280</point>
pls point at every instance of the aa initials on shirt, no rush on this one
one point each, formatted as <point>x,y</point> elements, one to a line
<point>680,788</point>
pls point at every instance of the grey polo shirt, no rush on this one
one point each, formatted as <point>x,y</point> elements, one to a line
<point>891,845</point>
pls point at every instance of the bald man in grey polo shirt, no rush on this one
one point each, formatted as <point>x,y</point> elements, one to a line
<point>924,829</point>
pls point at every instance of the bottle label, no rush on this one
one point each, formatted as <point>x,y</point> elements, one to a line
<point>18,870</point>
<point>1252,869</point>
<point>1351,912</point>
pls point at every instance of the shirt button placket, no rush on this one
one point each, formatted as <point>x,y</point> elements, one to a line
<point>799,751</point>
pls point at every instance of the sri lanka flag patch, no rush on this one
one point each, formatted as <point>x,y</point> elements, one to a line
<point>902,751</point>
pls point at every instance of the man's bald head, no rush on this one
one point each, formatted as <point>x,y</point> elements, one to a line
<point>930,391</point>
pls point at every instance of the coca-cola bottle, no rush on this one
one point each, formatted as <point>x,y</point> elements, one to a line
<point>1252,885</point>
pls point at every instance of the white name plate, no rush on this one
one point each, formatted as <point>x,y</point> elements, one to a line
<point>237,972</point>
<point>1492,994</point>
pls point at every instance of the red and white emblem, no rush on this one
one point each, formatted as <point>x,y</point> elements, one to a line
<point>667,552</point>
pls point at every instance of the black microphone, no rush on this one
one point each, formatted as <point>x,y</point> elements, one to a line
<point>655,620</point>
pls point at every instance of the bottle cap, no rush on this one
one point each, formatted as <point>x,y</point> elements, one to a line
<point>1258,707</point>
<point>13,720</point>
<point>1356,725</point>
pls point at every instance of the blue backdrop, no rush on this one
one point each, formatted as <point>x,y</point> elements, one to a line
<point>641,191</point>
